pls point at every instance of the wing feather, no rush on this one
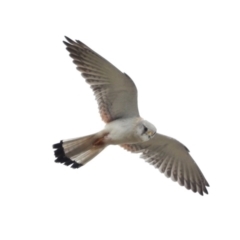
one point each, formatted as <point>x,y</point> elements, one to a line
<point>173,159</point>
<point>115,92</point>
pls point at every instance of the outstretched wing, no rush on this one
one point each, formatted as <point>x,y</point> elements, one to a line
<point>172,158</point>
<point>115,92</point>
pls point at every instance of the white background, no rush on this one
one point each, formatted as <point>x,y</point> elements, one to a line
<point>184,59</point>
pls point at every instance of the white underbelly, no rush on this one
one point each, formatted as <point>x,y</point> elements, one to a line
<point>121,131</point>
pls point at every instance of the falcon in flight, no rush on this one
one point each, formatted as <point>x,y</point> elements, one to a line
<point>116,95</point>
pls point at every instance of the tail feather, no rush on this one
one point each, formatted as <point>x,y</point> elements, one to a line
<point>62,158</point>
<point>77,152</point>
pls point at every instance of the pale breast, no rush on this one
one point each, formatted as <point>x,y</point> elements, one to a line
<point>121,131</point>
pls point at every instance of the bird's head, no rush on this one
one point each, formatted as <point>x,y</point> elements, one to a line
<point>146,130</point>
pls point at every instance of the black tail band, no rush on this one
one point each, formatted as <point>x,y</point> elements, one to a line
<point>62,158</point>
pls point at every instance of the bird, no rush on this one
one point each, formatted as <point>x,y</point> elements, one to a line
<point>116,95</point>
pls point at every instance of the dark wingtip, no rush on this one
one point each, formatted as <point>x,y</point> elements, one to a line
<point>79,42</point>
<point>67,44</point>
<point>62,158</point>
<point>69,39</point>
<point>201,193</point>
<point>205,190</point>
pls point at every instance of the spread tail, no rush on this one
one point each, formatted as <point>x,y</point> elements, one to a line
<point>78,151</point>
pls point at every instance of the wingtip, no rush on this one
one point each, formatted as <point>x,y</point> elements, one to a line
<point>70,42</point>
<point>66,43</point>
<point>69,39</point>
<point>205,190</point>
<point>66,37</point>
<point>79,42</point>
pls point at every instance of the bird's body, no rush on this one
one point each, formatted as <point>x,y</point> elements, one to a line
<point>124,131</point>
<point>120,131</point>
<point>116,95</point>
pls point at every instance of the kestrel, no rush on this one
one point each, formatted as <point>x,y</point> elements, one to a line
<point>116,95</point>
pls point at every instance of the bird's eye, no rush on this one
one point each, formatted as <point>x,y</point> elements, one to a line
<point>144,130</point>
